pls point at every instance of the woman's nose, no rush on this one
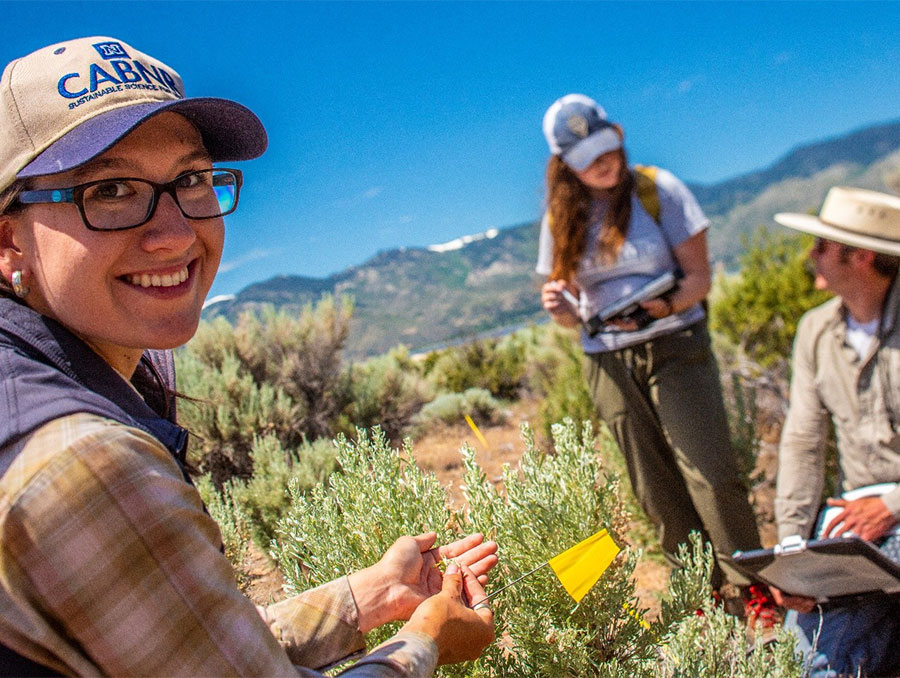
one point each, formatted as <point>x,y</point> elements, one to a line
<point>168,228</point>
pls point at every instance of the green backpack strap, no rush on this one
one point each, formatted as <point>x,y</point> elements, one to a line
<point>647,193</point>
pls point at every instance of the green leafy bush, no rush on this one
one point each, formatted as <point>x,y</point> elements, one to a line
<point>549,503</point>
<point>233,524</point>
<point>557,373</point>
<point>451,408</point>
<point>387,391</point>
<point>263,497</point>
<point>227,410</point>
<point>272,373</point>
<point>759,308</point>
<point>496,365</point>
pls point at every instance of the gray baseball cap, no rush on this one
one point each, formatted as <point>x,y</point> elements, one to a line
<point>577,130</point>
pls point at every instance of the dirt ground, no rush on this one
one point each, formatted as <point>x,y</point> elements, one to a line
<point>438,452</point>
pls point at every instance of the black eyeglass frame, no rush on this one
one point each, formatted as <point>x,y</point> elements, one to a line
<point>75,194</point>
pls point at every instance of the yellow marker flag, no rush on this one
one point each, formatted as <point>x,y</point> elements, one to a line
<point>578,568</point>
<point>477,432</point>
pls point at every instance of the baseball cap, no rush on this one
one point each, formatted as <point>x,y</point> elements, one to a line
<point>66,103</point>
<point>577,130</point>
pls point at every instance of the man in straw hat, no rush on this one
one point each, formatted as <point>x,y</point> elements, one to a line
<point>846,365</point>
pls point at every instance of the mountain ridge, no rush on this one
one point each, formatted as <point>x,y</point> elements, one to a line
<point>425,296</point>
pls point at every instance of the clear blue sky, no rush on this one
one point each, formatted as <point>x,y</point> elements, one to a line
<point>407,124</point>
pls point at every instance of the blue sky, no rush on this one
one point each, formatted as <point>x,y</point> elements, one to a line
<point>407,124</point>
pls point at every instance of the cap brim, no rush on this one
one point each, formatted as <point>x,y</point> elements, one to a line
<point>815,226</point>
<point>586,151</point>
<point>230,131</point>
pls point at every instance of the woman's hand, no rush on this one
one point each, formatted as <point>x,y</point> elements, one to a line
<point>560,309</point>
<point>407,574</point>
<point>693,260</point>
<point>460,632</point>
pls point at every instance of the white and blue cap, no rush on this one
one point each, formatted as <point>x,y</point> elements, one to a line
<point>577,130</point>
<point>64,104</point>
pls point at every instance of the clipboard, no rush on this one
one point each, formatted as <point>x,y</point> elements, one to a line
<point>824,569</point>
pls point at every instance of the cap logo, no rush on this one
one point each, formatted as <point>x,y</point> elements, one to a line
<point>578,125</point>
<point>116,73</point>
<point>110,50</point>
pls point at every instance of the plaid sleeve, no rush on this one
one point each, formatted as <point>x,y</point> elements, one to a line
<point>109,565</point>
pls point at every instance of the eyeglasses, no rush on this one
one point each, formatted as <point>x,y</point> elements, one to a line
<point>122,203</point>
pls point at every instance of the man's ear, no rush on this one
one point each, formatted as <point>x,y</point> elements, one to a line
<point>863,258</point>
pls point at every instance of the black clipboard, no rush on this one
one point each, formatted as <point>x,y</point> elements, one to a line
<point>824,569</point>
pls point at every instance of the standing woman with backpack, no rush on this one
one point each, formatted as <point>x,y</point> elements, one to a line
<point>608,230</point>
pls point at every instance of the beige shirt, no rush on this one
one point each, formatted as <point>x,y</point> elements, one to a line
<point>110,566</point>
<point>862,398</point>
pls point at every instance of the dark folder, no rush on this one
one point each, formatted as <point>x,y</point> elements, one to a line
<point>823,569</point>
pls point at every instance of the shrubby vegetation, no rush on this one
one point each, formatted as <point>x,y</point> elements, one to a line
<point>451,408</point>
<point>348,522</point>
<point>759,308</point>
<point>271,393</point>
<point>495,365</point>
<point>387,391</point>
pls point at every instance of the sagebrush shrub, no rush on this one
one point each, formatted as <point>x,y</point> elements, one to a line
<point>264,496</point>
<point>549,503</point>
<point>558,375</point>
<point>386,391</point>
<point>496,365</point>
<point>451,408</point>
<point>272,373</point>
<point>226,411</point>
<point>232,522</point>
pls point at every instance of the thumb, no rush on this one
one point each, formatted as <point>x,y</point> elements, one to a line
<point>452,582</point>
<point>425,541</point>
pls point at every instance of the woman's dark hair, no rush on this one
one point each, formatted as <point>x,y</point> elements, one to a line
<point>569,205</point>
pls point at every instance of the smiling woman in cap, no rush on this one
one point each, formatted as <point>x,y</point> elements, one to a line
<point>111,231</point>
<point>608,231</point>
<point>846,365</point>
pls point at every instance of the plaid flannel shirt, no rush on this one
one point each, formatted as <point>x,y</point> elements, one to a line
<point>110,566</point>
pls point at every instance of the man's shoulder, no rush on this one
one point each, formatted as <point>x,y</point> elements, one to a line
<point>821,317</point>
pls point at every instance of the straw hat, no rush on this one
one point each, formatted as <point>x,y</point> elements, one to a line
<point>853,216</point>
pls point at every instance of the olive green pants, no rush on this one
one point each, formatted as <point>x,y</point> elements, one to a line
<point>662,401</point>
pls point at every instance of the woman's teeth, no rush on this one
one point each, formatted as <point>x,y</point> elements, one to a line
<point>167,280</point>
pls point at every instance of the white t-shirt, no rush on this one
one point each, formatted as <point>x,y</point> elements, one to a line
<point>859,335</point>
<point>645,255</point>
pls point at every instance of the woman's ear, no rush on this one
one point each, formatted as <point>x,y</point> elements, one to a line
<point>11,256</point>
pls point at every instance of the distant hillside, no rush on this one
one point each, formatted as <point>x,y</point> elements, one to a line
<point>420,297</point>
<point>425,297</point>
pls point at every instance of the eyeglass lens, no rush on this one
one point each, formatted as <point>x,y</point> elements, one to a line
<point>122,203</point>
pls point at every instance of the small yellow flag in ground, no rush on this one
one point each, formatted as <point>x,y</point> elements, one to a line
<point>578,568</point>
<point>477,432</point>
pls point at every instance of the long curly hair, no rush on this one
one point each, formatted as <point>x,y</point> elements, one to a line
<point>569,206</point>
